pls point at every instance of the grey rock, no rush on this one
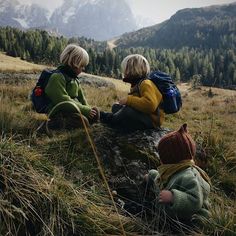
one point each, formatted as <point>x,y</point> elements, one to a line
<point>127,157</point>
<point>21,78</point>
<point>95,81</point>
<point>16,78</point>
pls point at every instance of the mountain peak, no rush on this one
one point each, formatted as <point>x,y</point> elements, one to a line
<point>98,19</point>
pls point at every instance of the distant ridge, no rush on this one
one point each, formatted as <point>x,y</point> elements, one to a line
<point>207,27</point>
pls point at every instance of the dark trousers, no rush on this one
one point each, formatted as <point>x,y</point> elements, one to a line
<point>126,118</point>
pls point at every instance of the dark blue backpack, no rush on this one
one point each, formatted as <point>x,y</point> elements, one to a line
<point>172,101</point>
<point>38,97</point>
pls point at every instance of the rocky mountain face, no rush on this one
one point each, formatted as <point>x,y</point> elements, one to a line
<point>14,14</point>
<point>97,19</point>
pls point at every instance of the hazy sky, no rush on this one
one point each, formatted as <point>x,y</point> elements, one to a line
<point>156,10</point>
<point>160,10</point>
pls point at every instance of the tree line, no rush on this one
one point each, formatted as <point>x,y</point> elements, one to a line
<point>212,67</point>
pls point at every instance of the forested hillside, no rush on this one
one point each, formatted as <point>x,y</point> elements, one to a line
<point>210,27</point>
<point>199,45</point>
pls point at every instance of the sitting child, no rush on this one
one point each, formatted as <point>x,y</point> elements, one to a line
<point>180,187</point>
<point>68,105</point>
<point>139,110</point>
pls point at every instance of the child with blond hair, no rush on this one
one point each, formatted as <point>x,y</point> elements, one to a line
<point>68,105</point>
<point>140,109</point>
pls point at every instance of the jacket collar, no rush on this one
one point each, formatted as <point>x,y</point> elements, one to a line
<point>68,71</point>
<point>132,81</point>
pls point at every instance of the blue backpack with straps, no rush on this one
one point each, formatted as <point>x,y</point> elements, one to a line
<point>172,101</point>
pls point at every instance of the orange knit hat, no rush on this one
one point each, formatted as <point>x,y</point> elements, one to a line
<point>176,146</point>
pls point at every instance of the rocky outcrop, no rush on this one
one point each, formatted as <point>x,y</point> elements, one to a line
<point>127,157</point>
<point>95,81</point>
<point>23,16</point>
<point>22,78</point>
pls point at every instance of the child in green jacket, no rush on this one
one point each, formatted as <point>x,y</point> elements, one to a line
<point>180,187</point>
<point>68,103</point>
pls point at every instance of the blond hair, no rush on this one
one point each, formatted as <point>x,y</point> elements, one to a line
<point>135,66</point>
<point>74,56</point>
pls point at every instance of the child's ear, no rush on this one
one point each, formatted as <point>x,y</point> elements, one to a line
<point>183,128</point>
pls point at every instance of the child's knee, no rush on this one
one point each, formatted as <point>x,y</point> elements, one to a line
<point>116,107</point>
<point>64,107</point>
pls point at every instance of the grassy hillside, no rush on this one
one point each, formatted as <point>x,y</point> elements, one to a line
<point>12,64</point>
<point>53,185</point>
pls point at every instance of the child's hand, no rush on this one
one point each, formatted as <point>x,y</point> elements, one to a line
<point>123,101</point>
<point>93,113</point>
<point>166,196</point>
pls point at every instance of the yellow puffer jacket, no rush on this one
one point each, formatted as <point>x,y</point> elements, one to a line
<point>146,97</point>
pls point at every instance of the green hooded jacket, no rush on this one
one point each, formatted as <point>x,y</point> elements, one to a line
<point>64,87</point>
<point>190,192</point>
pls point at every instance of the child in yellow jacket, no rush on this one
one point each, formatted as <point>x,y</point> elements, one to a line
<point>140,109</point>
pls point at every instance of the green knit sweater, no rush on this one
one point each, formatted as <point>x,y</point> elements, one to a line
<point>190,192</point>
<point>62,88</point>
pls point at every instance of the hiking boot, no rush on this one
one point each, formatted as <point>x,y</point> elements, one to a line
<point>56,123</point>
<point>105,117</point>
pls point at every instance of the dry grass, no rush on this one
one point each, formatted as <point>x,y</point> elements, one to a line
<point>206,114</point>
<point>16,114</point>
<point>12,64</point>
<point>48,181</point>
<point>39,177</point>
<point>120,86</point>
<point>36,199</point>
<point>104,97</point>
<point>212,122</point>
